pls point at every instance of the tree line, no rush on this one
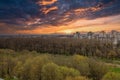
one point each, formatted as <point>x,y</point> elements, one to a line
<point>65,46</point>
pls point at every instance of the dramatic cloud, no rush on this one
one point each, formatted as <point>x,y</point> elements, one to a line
<point>22,15</point>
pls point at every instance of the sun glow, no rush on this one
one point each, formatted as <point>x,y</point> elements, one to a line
<point>67,31</point>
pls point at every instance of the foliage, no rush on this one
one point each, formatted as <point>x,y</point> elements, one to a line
<point>31,69</point>
<point>69,72</point>
<point>30,65</point>
<point>65,46</point>
<point>97,69</point>
<point>77,78</point>
<point>115,69</point>
<point>112,76</point>
<point>51,71</point>
<point>81,63</point>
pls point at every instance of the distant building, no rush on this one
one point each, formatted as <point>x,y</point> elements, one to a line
<point>90,35</point>
<point>113,36</point>
<point>77,35</point>
<point>102,35</point>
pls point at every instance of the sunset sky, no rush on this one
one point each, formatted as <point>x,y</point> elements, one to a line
<point>58,16</point>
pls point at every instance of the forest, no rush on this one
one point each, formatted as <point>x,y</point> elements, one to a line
<point>31,65</point>
<point>64,46</point>
<point>58,59</point>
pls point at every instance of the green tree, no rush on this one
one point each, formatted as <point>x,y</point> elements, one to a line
<point>51,71</point>
<point>97,69</point>
<point>65,71</point>
<point>31,69</point>
<point>112,54</point>
<point>81,63</point>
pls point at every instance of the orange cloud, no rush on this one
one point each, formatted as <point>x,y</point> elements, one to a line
<point>99,24</point>
<point>47,10</point>
<point>47,2</point>
<point>87,9</point>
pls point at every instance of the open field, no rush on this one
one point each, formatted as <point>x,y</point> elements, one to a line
<point>114,65</point>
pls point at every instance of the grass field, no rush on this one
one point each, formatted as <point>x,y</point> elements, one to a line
<point>115,69</point>
<point>114,65</point>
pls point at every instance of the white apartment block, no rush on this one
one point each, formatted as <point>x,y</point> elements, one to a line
<point>113,36</point>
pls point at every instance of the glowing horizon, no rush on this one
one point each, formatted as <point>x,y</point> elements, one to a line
<point>96,25</point>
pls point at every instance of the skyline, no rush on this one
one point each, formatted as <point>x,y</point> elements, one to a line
<point>58,16</point>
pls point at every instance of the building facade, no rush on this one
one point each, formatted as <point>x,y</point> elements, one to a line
<point>113,36</point>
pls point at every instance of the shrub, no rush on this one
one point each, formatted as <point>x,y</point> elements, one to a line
<point>111,76</point>
<point>77,78</point>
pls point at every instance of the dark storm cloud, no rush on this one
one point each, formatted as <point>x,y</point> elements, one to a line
<point>34,13</point>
